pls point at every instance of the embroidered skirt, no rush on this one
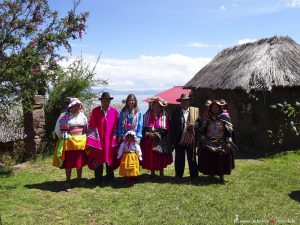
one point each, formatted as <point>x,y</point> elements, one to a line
<point>212,163</point>
<point>130,165</point>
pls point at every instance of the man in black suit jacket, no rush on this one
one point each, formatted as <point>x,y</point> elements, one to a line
<point>180,123</point>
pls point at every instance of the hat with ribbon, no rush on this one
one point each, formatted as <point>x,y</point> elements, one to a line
<point>130,132</point>
<point>222,102</point>
<point>207,102</point>
<point>159,100</point>
<point>73,102</point>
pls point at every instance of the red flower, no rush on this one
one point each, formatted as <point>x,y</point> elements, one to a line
<point>36,69</point>
<point>33,43</point>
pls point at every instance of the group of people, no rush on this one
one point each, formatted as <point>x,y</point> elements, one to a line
<point>129,140</point>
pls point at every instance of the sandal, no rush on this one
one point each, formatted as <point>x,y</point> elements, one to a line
<point>68,187</point>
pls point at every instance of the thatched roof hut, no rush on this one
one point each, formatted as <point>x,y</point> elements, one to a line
<point>251,77</point>
<point>11,127</point>
<point>261,65</point>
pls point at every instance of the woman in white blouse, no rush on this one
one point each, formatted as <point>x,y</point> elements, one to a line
<point>70,149</point>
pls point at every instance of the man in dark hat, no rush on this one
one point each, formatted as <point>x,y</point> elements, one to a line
<point>103,120</point>
<point>183,121</point>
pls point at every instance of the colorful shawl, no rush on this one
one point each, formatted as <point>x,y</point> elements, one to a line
<point>64,122</point>
<point>162,123</point>
<point>93,138</point>
<point>125,124</point>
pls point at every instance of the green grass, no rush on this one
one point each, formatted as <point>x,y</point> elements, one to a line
<point>257,191</point>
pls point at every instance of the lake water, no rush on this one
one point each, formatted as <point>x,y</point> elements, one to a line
<point>143,106</point>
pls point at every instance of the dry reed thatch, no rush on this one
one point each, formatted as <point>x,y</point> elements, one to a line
<point>11,128</point>
<point>261,65</point>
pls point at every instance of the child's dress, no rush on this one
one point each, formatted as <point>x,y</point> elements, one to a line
<point>131,154</point>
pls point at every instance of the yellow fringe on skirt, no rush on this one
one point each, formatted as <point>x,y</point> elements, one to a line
<point>130,165</point>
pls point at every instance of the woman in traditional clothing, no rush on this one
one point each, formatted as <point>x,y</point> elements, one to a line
<point>216,156</point>
<point>155,150</point>
<point>70,149</point>
<point>130,119</point>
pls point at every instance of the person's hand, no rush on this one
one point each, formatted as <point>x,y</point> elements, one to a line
<point>120,139</point>
<point>151,135</point>
<point>89,149</point>
<point>191,125</point>
<point>228,146</point>
<point>138,141</point>
<point>140,158</point>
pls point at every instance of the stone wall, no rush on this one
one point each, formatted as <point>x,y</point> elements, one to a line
<point>253,118</point>
<point>34,122</point>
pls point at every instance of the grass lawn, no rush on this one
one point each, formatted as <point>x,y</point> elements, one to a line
<point>265,191</point>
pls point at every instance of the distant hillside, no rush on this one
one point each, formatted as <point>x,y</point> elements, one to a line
<point>97,90</point>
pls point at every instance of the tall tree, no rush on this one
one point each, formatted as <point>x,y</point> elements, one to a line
<point>31,35</point>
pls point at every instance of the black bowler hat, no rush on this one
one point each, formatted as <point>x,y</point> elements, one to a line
<point>105,95</point>
<point>183,96</point>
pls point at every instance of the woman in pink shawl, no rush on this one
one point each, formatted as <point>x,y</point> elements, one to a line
<point>156,155</point>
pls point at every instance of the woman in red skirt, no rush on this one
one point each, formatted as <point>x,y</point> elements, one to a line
<point>70,149</point>
<point>156,155</point>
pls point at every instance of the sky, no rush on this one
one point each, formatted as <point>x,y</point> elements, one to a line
<point>157,44</point>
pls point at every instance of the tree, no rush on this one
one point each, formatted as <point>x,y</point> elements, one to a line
<point>76,80</point>
<point>31,35</point>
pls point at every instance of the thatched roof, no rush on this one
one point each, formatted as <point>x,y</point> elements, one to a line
<point>261,65</point>
<point>11,128</point>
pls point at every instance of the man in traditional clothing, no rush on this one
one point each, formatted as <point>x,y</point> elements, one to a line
<point>102,138</point>
<point>184,119</point>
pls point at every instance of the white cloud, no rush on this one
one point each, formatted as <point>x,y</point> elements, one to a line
<point>293,3</point>
<point>146,72</point>
<point>128,82</point>
<point>244,41</point>
<point>193,44</point>
<point>222,8</point>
